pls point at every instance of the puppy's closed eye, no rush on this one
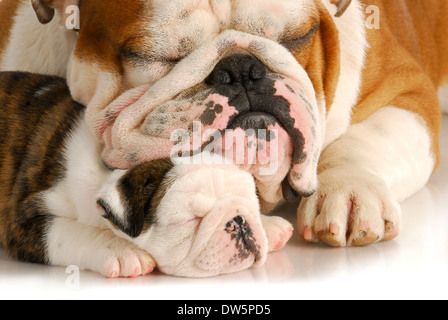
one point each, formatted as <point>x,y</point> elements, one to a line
<point>130,203</point>
<point>112,216</point>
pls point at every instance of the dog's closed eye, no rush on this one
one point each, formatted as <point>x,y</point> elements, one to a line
<point>109,214</point>
<point>140,57</point>
<point>295,43</point>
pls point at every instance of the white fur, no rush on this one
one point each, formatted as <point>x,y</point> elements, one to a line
<point>85,174</point>
<point>90,248</point>
<point>353,44</point>
<point>38,48</point>
<point>376,164</point>
<point>43,90</point>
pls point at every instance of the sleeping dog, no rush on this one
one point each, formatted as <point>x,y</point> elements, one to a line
<point>61,205</point>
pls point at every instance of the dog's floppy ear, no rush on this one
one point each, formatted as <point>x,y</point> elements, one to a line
<point>45,9</point>
<point>130,203</point>
<point>342,6</point>
<point>44,12</point>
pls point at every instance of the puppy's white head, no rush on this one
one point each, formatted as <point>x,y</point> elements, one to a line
<point>196,221</point>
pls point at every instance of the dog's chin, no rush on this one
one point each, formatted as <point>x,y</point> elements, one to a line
<point>227,267</point>
<point>212,263</point>
<point>196,269</point>
<point>267,143</point>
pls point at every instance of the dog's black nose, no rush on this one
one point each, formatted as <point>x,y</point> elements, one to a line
<point>237,225</point>
<point>242,69</point>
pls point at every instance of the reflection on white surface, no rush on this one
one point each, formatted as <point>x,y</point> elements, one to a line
<point>415,265</point>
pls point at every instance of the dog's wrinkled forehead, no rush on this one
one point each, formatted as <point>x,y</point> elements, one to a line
<point>178,27</point>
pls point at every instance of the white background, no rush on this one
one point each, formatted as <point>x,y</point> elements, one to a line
<point>413,266</point>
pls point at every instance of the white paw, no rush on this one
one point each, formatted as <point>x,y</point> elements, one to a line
<point>119,258</point>
<point>349,208</point>
<point>278,231</point>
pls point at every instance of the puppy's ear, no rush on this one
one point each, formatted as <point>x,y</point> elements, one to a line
<point>45,9</point>
<point>131,204</point>
<point>342,6</point>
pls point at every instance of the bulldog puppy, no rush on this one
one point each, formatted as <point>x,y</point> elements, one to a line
<point>61,205</point>
<point>356,109</point>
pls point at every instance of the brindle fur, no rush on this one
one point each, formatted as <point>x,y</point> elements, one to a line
<point>142,189</point>
<point>36,115</point>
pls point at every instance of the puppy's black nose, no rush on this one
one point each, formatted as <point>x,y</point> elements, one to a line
<point>237,225</point>
<point>237,69</point>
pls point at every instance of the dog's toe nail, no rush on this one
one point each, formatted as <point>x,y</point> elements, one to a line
<point>390,231</point>
<point>329,238</point>
<point>389,227</point>
<point>308,234</point>
<point>364,238</point>
<point>334,229</point>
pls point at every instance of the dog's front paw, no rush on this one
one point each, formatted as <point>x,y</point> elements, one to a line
<point>278,231</point>
<point>119,258</point>
<point>350,208</point>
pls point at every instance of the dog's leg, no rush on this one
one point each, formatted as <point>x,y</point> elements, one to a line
<point>95,249</point>
<point>278,231</point>
<point>364,175</point>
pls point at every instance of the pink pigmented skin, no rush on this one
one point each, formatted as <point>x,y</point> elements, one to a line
<point>298,111</point>
<point>222,119</point>
<point>306,124</point>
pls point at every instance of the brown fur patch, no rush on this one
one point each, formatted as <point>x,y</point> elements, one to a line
<point>142,188</point>
<point>407,61</point>
<point>37,114</point>
<point>8,10</point>
<point>102,38</point>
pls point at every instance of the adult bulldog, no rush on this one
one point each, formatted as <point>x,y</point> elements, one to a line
<point>356,110</point>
